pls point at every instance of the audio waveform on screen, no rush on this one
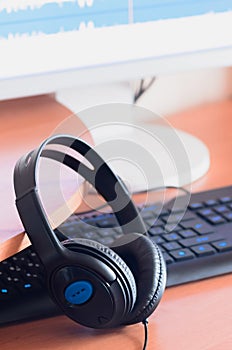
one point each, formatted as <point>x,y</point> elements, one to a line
<point>15,5</point>
<point>31,17</point>
<point>51,17</point>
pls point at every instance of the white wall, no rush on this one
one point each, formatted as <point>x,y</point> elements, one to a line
<point>177,92</point>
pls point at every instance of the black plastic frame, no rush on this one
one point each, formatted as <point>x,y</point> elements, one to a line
<point>101,176</point>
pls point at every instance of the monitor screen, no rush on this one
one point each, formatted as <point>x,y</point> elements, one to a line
<point>48,45</point>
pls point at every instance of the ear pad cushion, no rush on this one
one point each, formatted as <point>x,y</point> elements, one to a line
<point>145,260</point>
<point>87,245</point>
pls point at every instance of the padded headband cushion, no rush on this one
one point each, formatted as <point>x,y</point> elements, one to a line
<point>148,267</point>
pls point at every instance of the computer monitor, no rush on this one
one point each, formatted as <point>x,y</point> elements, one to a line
<point>48,45</point>
<point>65,46</point>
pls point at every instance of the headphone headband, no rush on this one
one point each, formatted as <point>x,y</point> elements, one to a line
<point>100,176</point>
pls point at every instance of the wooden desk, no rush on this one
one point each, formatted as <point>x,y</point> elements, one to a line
<point>196,316</point>
<point>24,124</point>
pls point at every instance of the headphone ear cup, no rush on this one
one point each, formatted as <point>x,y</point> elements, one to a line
<point>125,278</point>
<point>110,254</point>
<point>146,262</point>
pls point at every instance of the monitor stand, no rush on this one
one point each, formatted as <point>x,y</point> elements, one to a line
<point>144,155</point>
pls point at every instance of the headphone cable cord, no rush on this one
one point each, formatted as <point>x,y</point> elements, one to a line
<point>145,323</point>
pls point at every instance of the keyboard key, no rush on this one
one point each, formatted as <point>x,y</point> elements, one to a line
<point>221,209</point>
<point>172,227</point>
<point>182,254</point>
<point>157,210</point>
<point>189,242</point>
<point>158,222</point>
<point>105,233</point>
<point>223,245</point>
<point>154,231</point>
<point>7,293</point>
<point>157,239</point>
<point>164,212</point>
<point>226,199</point>
<point>194,206</point>
<point>189,216</point>
<point>205,212</point>
<point>91,235</point>
<point>171,236</point>
<point>107,222</point>
<point>168,259</point>
<point>153,223</point>
<point>175,218</point>
<point>154,208</point>
<point>216,219</point>
<point>197,225</point>
<point>147,214</point>
<point>176,209</point>
<point>30,286</point>
<point>204,249</point>
<point>171,246</point>
<point>8,288</point>
<point>211,202</point>
<point>187,233</point>
<point>4,291</point>
<point>27,286</point>
<point>228,216</point>
<point>71,230</point>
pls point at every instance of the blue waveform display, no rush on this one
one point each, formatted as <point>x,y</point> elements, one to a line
<point>146,11</point>
<point>54,17</point>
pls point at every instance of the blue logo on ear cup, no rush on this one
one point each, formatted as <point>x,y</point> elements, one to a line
<point>78,292</point>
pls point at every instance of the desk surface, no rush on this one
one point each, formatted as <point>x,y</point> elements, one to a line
<point>196,316</point>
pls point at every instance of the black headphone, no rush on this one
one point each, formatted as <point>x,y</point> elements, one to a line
<point>95,285</point>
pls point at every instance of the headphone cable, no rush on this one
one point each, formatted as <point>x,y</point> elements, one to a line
<point>145,323</point>
<point>135,193</point>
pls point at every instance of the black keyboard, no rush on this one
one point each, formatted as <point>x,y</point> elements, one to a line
<point>198,247</point>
